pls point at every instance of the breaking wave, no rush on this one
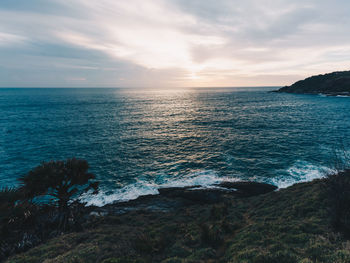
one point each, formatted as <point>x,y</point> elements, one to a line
<point>203,179</point>
<point>301,171</point>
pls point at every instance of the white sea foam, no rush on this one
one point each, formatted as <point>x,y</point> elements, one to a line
<point>301,172</point>
<point>203,179</point>
<point>125,193</point>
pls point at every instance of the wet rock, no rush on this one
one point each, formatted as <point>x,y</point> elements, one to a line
<point>194,195</point>
<point>172,198</point>
<point>248,188</point>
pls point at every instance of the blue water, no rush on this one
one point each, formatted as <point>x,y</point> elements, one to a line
<point>138,140</point>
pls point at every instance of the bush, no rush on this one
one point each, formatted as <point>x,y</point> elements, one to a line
<point>218,212</point>
<point>15,216</point>
<point>14,211</point>
<point>211,235</point>
<point>338,186</point>
<point>62,181</point>
<point>25,223</point>
<point>8,198</point>
<point>143,243</point>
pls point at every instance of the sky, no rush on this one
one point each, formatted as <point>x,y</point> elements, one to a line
<point>170,43</point>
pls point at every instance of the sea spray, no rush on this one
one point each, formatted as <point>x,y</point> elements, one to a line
<point>301,171</point>
<point>201,179</point>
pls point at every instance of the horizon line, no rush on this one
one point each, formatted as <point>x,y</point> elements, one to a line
<point>148,87</point>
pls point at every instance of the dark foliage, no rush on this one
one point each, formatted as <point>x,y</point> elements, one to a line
<point>62,180</point>
<point>15,215</point>
<point>211,235</point>
<point>218,212</point>
<point>290,225</point>
<point>13,210</point>
<point>146,244</point>
<point>338,186</point>
<point>24,223</point>
<point>8,198</point>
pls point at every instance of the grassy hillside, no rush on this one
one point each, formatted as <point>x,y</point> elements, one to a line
<point>290,225</point>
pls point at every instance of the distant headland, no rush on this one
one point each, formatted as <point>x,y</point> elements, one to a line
<point>330,84</point>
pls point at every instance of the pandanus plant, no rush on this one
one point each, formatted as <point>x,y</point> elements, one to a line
<point>63,181</point>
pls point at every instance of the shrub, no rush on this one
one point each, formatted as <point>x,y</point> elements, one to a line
<point>211,235</point>
<point>13,211</point>
<point>338,186</point>
<point>217,212</point>
<point>62,181</point>
<point>145,243</point>
<point>14,217</point>
<point>8,198</point>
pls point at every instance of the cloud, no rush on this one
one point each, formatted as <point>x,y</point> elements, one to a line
<point>10,39</point>
<point>170,42</point>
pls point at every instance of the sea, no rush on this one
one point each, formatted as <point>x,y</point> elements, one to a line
<point>139,140</point>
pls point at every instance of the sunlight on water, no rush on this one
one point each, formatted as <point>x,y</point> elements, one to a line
<point>137,140</point>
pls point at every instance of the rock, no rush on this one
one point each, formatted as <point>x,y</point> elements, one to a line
<point>171,198</point>
<point>192,194</point>
<point>248,188</point>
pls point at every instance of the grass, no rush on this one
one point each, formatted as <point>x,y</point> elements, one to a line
<point>290,225</point>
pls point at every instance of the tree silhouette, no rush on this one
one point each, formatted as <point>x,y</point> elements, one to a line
<point>62,180</point>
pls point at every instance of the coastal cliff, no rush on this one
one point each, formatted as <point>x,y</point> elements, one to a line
<point>331,84</point>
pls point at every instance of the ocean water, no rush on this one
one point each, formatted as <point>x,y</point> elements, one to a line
<point>138,140</point>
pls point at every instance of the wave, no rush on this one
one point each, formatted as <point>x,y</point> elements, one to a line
<point>202,179</point>
<point>300,172</point>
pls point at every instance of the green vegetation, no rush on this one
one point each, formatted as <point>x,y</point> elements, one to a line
<point>62,180</point>
<point>8,209</point>
<point>336,83</point>
<point>290,225</point>
<point>15,215</point>
<point>307,222</point>
<point>25,223</point>
<point>338,187</point>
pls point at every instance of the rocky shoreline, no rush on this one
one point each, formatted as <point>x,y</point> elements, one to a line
<point>172,198</point>
<point>232,222</point>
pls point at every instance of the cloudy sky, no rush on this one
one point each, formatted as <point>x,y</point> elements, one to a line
<point>170,43</point>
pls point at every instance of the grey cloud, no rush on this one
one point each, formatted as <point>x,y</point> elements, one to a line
<point>258,35</point>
